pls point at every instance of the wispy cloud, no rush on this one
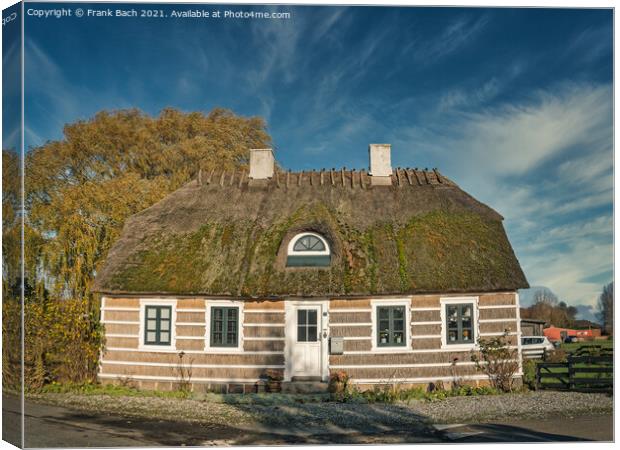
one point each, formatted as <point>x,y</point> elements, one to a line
<point>546,165</point>
<point>454,36</point>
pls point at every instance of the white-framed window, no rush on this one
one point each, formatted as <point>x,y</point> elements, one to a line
<point>224,330</point>
<point>158,324</point>
<point>308,249</point>
<point>459,323</point>
<point>391,325</point>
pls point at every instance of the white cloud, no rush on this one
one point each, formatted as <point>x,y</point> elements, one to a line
<point>545,163</point>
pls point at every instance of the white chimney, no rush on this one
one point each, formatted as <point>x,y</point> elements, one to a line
<point>380,163</point>
<point>261,163</point>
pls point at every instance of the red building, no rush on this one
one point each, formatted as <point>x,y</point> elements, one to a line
<point>558,334</point>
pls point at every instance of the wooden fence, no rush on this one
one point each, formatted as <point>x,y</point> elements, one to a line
<point>581,372</point>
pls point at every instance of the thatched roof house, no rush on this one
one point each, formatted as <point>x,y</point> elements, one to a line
<point>236,236</point>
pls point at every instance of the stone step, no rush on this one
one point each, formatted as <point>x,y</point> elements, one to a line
<point>304,387</point>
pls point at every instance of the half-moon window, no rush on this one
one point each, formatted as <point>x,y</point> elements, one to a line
<point>308,250</point>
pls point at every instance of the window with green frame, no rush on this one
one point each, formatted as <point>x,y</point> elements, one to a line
<point>460,326</point>
<point>391,331</point>
<point>157,329</point>
<point>224,326</point>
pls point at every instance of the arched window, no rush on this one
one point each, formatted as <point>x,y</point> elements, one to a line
<point>308,250</point>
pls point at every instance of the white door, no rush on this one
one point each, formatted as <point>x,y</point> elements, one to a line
<point>307,341</point>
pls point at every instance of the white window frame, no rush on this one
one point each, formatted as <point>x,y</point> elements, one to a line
<point>374,320</point>
<point>144,302</point>
<point>444,326</point>
<point>226,304</point>
<point>294,239</point>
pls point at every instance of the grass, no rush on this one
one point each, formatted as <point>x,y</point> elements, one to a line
<point>609,343</point>
<point>388,394</point>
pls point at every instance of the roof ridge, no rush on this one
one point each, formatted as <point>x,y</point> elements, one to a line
<point>343,177</point>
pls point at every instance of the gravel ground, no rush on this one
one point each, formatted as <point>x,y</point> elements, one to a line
<point>350,416</point>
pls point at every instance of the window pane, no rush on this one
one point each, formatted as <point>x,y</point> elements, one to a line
<point>151,325</point>
<point>467,334</point>
<point>384,325</point>
<point>301,333</point>
<point>466,322</point>
<point>164,337</point>
<point>467,311</point>
<point>384,313</point>
<point>165,313</point>
<point>151,313</point>
<point>301,317</point>
<point>217,313</point>
<point>398,313</point>
<point>312,334</point>
<point>232,313</point>
<point>150,336</point>
<point>452,335</point>
<point>217,337</point>
<point>399,337</point>
<point>164,325</point>
<point>312,317</point>
<point>384,337</point>
<point>399,325</point>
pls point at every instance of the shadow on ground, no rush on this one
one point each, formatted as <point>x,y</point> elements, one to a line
<point>317,423</point>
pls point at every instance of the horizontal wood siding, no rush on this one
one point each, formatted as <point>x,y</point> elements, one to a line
<point>498,327</point>
<point>264,304</point>
<point>497,299</point>
<point>426,344</point>
<point>357,345</point>
<point>122,357</point>
<point>344,331</point>
<point>425,330</point>
<point>388,359</point>
<point>352,317</point>
<point>273,317</point>
<point>388,373</point>
<point>425,316</point>
<point>419,301</point>
<point>121,302</point>
<point>197,358</point>
<point>353,303</point>
<point>500,313</point>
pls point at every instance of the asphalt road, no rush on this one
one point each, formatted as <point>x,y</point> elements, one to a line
<point>53,426</point>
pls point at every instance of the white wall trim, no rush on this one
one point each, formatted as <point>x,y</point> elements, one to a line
<point>434,308</point>
<point>197,352</point>
<point>476,322</point>
<point>264,325</point>
<point>121,322</point>
<point>512,319</point>
<point>375,303</point>
<point>519,349</point>
<point>144,302</point>
<point>120,335</point>
<point>190,338</point>
<point>426,336</point>
<point>350,310</point>
<point>207,337</point>
<point>164,378</point>
<point>191,324</point>
<point>431,322</point>
<point>351,324</point>
<point>418,380</point>
<point>196,366</point>
<point>190,310</point>
<point>120,308</point>
<point>499,333</point>
<point>423,350</point>
<point>403,366</point>
<point>357,338</point>
<point>264,311</point>
<point>263,338</point>
<point>497,306</point>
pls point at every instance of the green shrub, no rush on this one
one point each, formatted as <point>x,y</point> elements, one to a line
<point>529,373</point>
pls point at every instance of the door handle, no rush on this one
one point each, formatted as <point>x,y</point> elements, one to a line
<point>324,334</point>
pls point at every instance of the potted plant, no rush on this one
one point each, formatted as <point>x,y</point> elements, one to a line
<point>273,380</point>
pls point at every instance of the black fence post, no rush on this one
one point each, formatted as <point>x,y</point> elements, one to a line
<point>571,374</point>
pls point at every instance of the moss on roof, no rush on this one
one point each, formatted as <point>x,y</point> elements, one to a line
<point>229,238</point>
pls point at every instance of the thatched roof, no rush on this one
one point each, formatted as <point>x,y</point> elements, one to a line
<point>225,235</point>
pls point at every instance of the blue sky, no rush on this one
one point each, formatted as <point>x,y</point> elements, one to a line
<point>515,105</point>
